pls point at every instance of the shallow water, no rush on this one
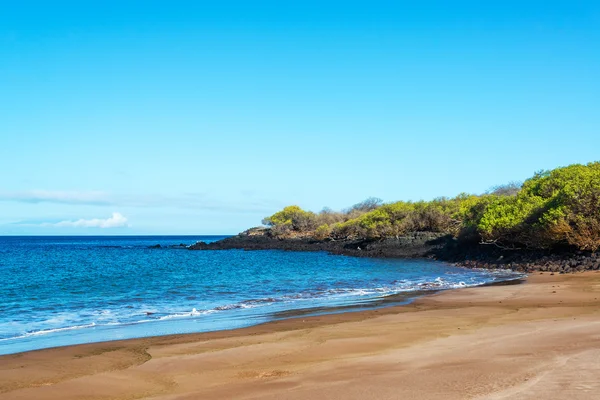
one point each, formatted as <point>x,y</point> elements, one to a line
<point>58,291</point>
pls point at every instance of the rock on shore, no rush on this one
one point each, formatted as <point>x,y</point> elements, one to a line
<point>420,245</point>
<point>417,245</point>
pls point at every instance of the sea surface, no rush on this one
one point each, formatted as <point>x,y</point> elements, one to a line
<point>57,291</point>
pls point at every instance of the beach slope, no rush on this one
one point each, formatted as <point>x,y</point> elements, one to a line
<point>538,340</point>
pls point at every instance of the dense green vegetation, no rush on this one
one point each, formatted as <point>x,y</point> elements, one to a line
<point>553,208</point>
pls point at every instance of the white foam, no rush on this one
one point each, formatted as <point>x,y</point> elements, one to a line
<point>322,296</point>
<point>193,313</point>
<point>47,331</point>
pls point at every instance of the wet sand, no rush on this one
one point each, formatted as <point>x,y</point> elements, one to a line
<point>538,340</point>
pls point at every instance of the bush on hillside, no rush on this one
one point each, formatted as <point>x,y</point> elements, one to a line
<point>322,232</point>
<point>572,204</point>
<point>508,189</point>
<point>293,218</point>
<point>558,207</point>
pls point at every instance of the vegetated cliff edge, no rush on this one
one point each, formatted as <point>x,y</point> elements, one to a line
<point>429,245</point>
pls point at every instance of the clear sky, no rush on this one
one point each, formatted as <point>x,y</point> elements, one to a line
<point>201,117</point>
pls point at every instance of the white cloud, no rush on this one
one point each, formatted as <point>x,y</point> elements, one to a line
<point>117,220</point>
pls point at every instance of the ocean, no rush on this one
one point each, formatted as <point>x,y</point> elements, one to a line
<point>57,291</point>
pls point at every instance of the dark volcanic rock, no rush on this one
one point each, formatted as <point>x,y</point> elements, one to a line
<point>420,245</point>
<point>417,245</point>
<point>178,246</point>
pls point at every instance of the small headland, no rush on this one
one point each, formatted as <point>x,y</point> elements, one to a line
<point>550,222</point>
<point>429,245</point>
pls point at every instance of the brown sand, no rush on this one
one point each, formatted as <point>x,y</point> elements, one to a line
<point>538,340</point>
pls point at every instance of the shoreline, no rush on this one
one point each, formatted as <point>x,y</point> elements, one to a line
<point>420,245</point>
<point>307,353</point>
<point>401,298</point>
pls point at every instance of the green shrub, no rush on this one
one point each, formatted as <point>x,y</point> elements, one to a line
<point>552,208</point>
<point>322,232</point>
<point>572,204</point>
<point>507,218</point>
<point>297,219</point>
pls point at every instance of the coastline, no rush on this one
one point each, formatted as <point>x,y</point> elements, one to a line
<point>399,298</point>
<point>462,343</point>
<point>420,245</point>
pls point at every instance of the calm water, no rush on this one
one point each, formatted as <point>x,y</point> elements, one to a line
<point>65,290</point>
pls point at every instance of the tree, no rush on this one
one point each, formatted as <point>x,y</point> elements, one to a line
<point>508,189</point>
<point>294,216</point>
<point>367,205</point>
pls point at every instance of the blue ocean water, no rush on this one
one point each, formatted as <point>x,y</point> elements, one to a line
<point>58,291</point>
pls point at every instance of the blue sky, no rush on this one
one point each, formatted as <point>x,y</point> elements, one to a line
<point>175,117</point>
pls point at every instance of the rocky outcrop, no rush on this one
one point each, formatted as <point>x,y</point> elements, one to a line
<point>416,245</point>
<point>420,245</point>
<point>171,246</point>
<point>555,262</point>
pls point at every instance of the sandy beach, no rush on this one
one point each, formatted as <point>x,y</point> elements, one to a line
<point>537,340</point>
